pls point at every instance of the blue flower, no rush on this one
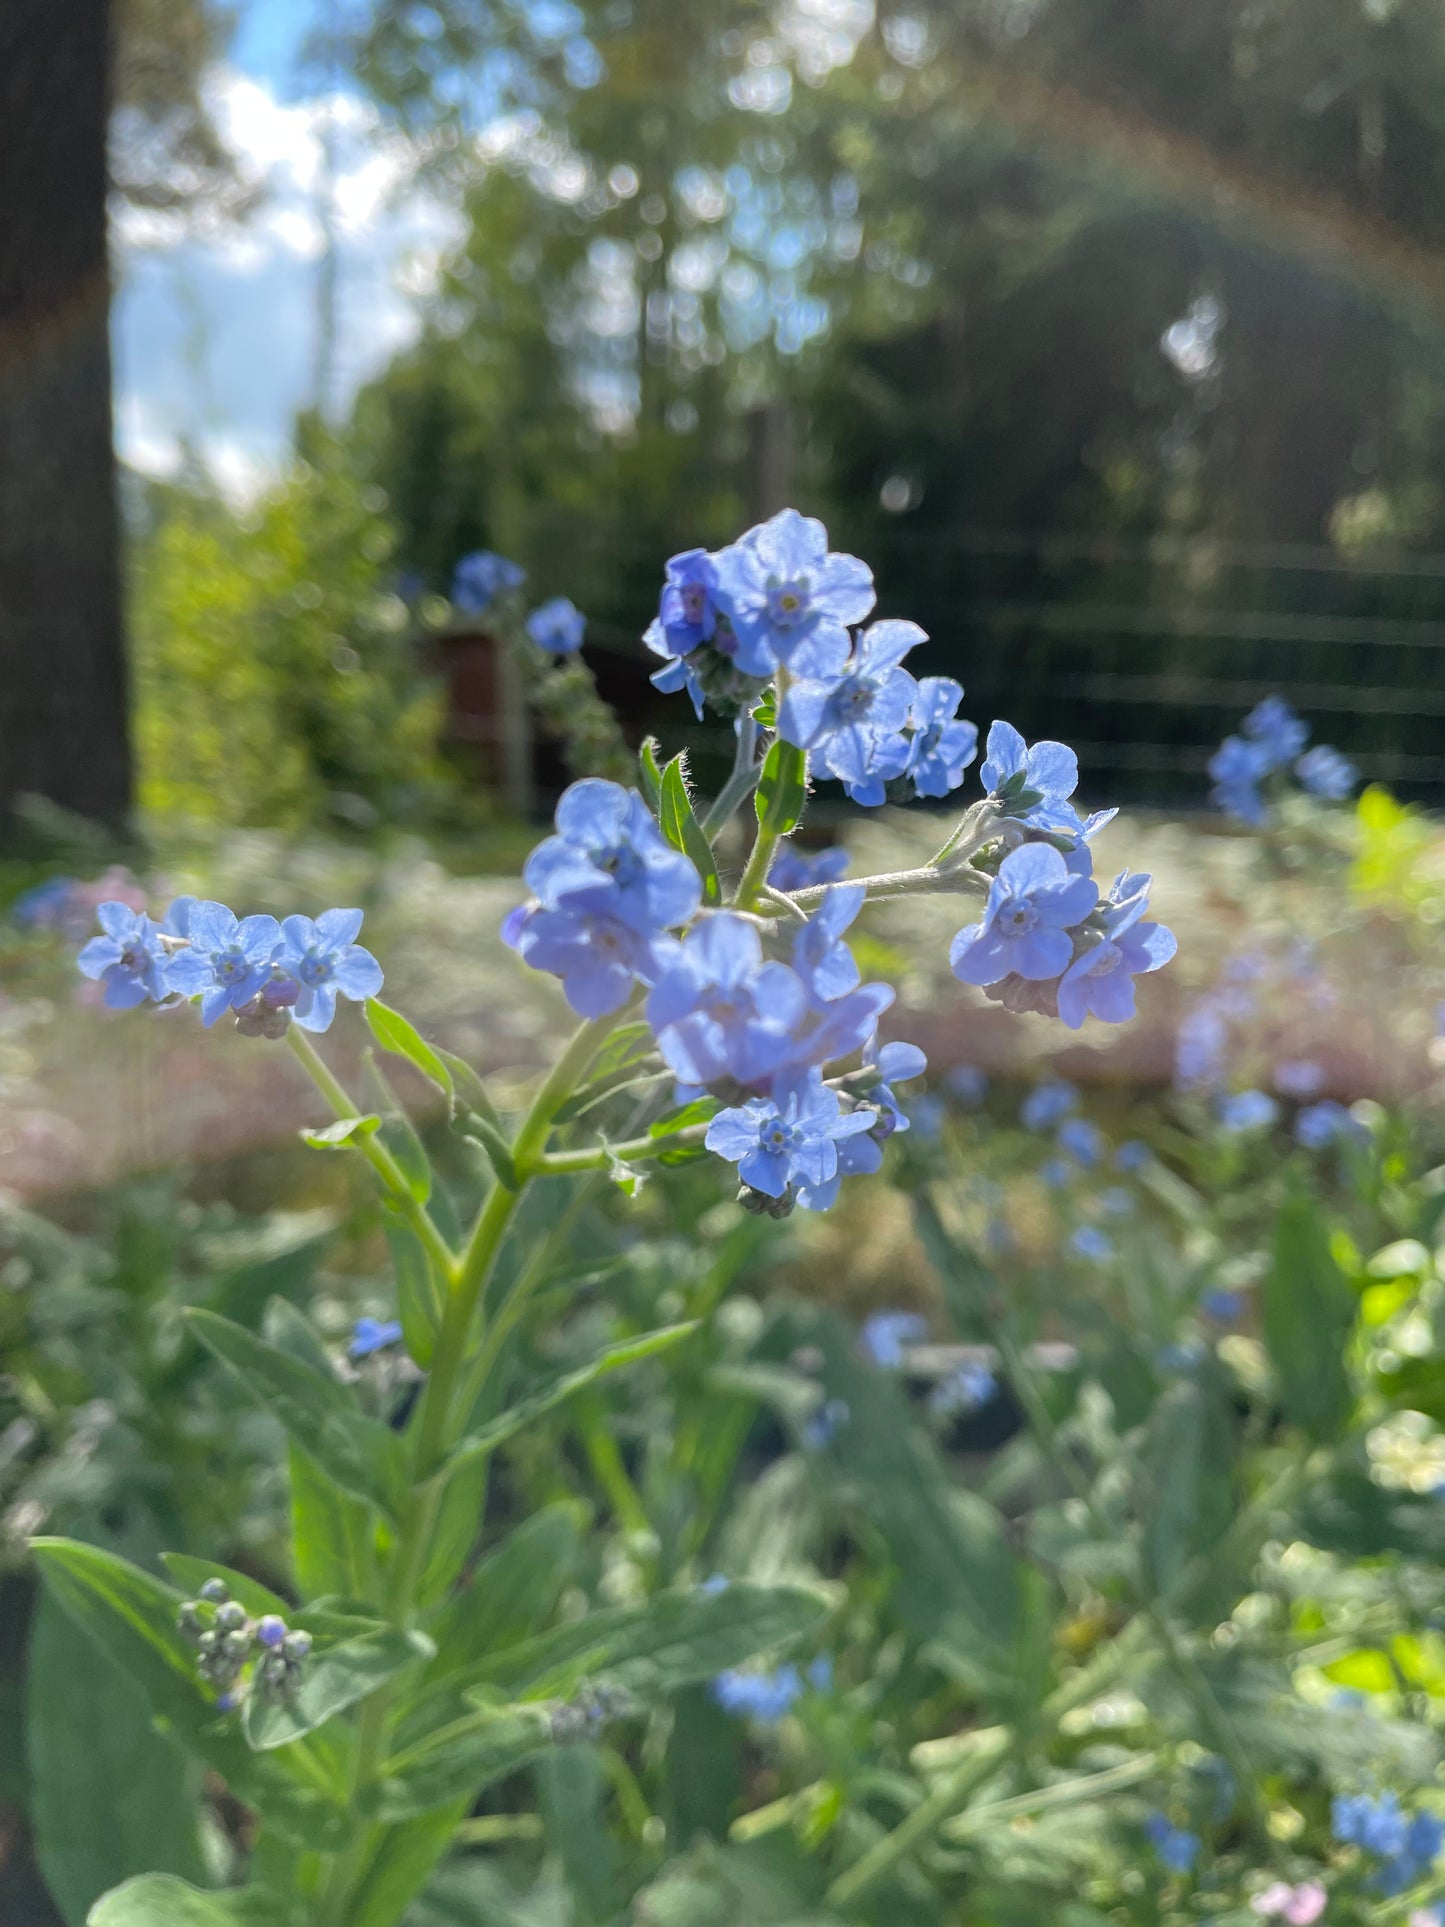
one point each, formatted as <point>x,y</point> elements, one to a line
<point>967,1388</point>
<point>44,906</point>
<point>789,595</point>
<point>678,674</point>
<point>1238,768</point>
<point>895,1063</point>
<point>599,958</point>
<point>943,745</point>
<point>129,959</point>
<point>609,857</point>
<point>793,869</point>
<point>228,961</point>
<point>1325,772</point>
<point>1201,1047</point>
<point>1299,1077</point>
<point>852,717</point>
<point>479,578</point>
<point>1046,1104</point>
<point>790,1138</point>
<point>689,611</point>
<point>1034,785</point>
<point>1100,982</point>
<point>1247,1111</point>
<point>557,627</point>
<point>1032,905</point>
<point>1222,1305</point>
<point>1091,1244</point>
<point>1082,1140</point>
<point>824,1425</point>
<point>820,957</point>
<point>1325,1123</point>
<point>325,959</point>
<point>1133,1156</point>
<point>1177,1849</point>
<point>1056,1173</point>
<point>371,1335</point>
<point>768,1697</point>
<point>1278,732</point>
<point>885,1334</point>
<point>966,1084</point>
<point>720,1012</point>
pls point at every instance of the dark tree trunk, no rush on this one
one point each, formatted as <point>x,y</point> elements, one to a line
<point>62,669</point>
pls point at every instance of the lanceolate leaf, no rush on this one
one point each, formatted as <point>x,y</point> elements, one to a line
<point>682,829</point>
<point>395,1034</point>
<point>553,1391</point>
<point>159,1900</point>
<point>418,1296</point>
<point>782,788</point>
<point>649,773</point>
<point>345,1131</point>
<point>469,1759</point>
<point>362,1455</point>
<point>331,1681</point>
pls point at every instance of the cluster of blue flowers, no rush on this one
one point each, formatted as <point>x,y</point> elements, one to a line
<point>267,973</point>
<point>769,1697</point>
<point>1177,1849</point>
<point>1406,1845</point>
<point>1272,739</point>
<point>482,579</point>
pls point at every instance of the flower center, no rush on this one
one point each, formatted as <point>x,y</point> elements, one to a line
<point>852,699</point>
<point>316,967</point>
<point>694,601</point>
<point>788,601</point>
<point>133,959</point>
<point>230,968</point>
<point>1019,916</point>
<point>619,861</point>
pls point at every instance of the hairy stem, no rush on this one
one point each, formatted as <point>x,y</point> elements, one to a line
<point>740,784</point>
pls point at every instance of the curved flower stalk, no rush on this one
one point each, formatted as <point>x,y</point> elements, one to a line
<point>736,1019</point>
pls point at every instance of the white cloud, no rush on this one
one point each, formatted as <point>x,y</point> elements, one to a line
<point>215,326</point>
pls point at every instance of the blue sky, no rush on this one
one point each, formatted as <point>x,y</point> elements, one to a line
<point>215,329</point>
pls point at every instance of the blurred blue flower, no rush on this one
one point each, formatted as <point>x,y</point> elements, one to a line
<point>371,1335</point>
<point>1242,1111</point>
<point>824,1425</point>
<point>1116,1202</point>
<point>788,594</point>
<point>1133,1156</point>
<point>720,1011</point>
<point>1091,1244</point>
<point>1046,1104</point>
<point>608,856</point>
<point>479,578</point>
<point>1201,1048</point>
<point>765,1697</point>
<point>886,1333</point>
<point>557,627</point>
<point>1082,1140</point>
<point>967,1388</point>
<point>325,959</point>
<point>1032,904</point>
<point>1299,1077</point>
<point>793,869</point>
<point>943,745</point>
<point>788,1139</point>
<point>1277,731</point>
<point>1326,773</point>
<point>688,612</point>
<point>1238,768</point>
<point>1222,1305</point>
<point>822,960</point>
<point>1326,1123</point>
<point>1177,1849</point>
<point>966,1084</point>
<point>129,959</point>
<point>1056,1173</point>
<point>599,958</point>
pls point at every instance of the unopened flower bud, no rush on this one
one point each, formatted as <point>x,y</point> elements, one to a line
<point>214,1592</point>
<point>230,1617</point>
<point>271,1630</point>
<point>296,1646</point>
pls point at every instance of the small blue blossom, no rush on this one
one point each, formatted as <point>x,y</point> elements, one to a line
<point>609,857</point>
<point>481,577</point>
<point>1242,1111</point>
<point>1279,733</point>
<point>883,1067</point>
<point>228,961</point>
<point>372,1335</point>
<point>1083,1141</point>
<point>1133,1156</point>
<point>765,1697</point>
<point>130,959</point>
<point>599,958</point>
<point>943,744</point>
<point>966,1084</point>
<point>1238,768</point>
<point>1046,774</point>
<point>1326,773</point>
<point>1326,1123</point>
<point>557,627</point>
<point>886,1333</point>
<point>720,1012</point>
<point>824,1425</point>
<point>1299,1077</point>
<point>1177,1849</point>
<point>44,907</point>
<point>325,960</point>
<point>1182,1357</point>
<point>1201,1049</point>
<point>1046,1104</point>
<point>1091,1244</point>
<point>1222,1305</point>
<point>689,611</point>
<point>967,1388</point>
<point>788,1139</point>
<point>1057,1173</point>
<point>1100,982</point>
<point>794,869</point>
<point>1032,905</point>
<point>823,961</point>
<point>852,717</point>
<point>792,597</point>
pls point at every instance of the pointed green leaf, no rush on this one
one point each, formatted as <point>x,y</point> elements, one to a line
<point>418,1296</point>
<point>160,1900</point>
<point>682,829</point>
<point>402,1864</point>
<point>332,1535</point>
<point>362,1455</point>
<point>468,1090</point>
<point>190,1574</point>
<point>397,1131</point>
<point>487,1748</point>
<point>345,1131</point>
<point>481,1130</point>
<point>553,1391</point>
<point>331,1681</point>
<point>782,788</point>
<point>649,773</point>
<point>395,1034</point>
<point>1308,1308</point>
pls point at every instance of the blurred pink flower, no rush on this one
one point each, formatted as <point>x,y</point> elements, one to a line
<point>1299,1906</point>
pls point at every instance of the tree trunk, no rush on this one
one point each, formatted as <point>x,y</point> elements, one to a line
<point>62,669</point>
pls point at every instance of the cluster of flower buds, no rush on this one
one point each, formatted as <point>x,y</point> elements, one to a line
<point>587,1712</point>
<point>228,1640</point>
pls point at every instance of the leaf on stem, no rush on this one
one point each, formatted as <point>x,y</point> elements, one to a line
<point>160,1900</point>
<point>649,773</point>
<point>331,1681</point>
<point>782,789</point>
<point>418,1296</point>
<point>682,829</point>
<point>345,1131</point>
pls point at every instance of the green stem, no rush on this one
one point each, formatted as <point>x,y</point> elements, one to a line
<point>740,784</point>
<point>376,1154</point>
<point>635,1150</point>
<point>883,888</point>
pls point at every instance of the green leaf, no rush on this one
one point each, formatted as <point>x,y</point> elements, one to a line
<point>1187,1462</point>
<point>765,712</point>
<point>418,1297</point>
<point>468,1090</point>
<point>190,1574</point>
<point>397,1131</point>
<point>159,1900</point>
<point>483,1131</point>
<point>109,1796</point>
<point>702,1110</point>
<point>553,1391</point>
<point>132,1617</point>
<point>674,1639</point>
<point>782,788</point>
<point>402,1865</point>
<point>615,1067</point>
<point>333,1680</point>
<point>649,773</point>
<point>332,1535</point>
<point>682,829</point>
<point>395,1034</point>
<point>345,1131</point>
<point>459,1767</point>
<point>513,1589</point>
<point>363,1456</point>
<point>1308,1309</point>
